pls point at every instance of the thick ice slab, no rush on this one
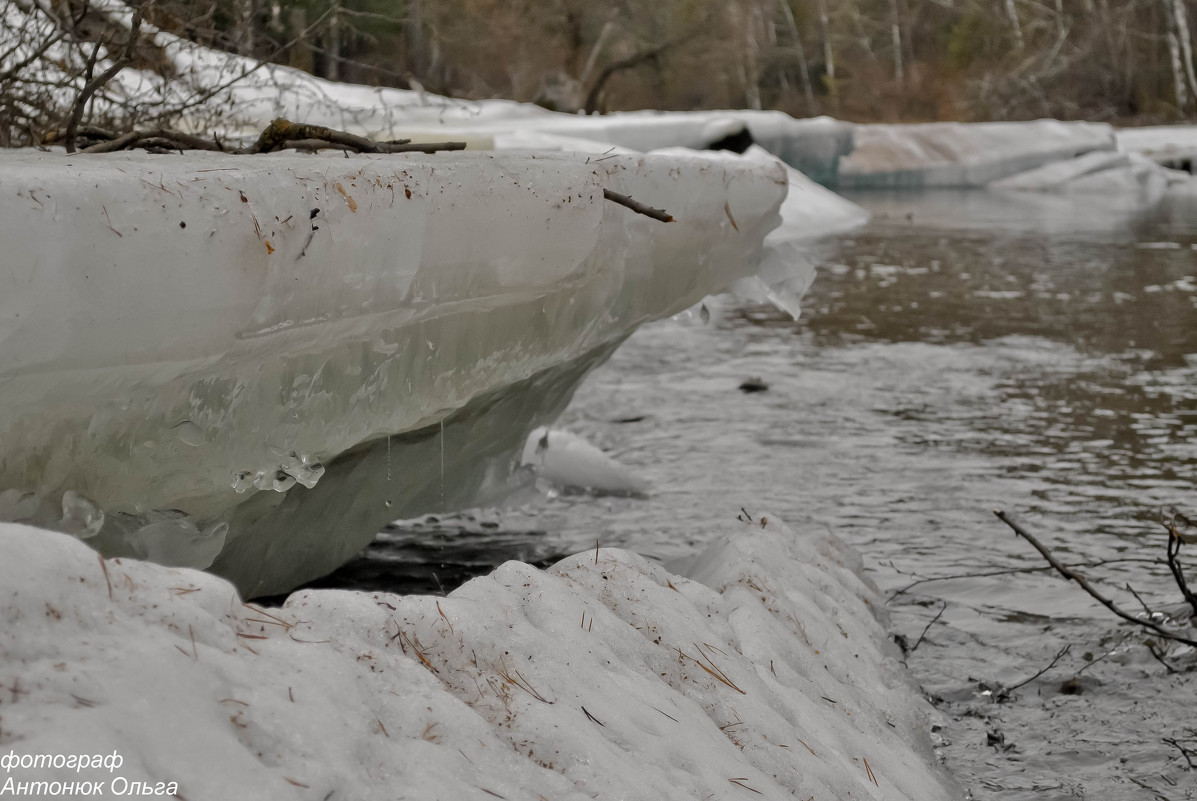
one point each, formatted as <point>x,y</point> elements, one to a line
<point>763,674</point>
<point>1171,145</point>
<point>1130,176</point>
<point>952,154</point>
<point>189,344</point>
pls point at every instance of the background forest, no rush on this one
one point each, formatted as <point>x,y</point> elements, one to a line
<point>867,60</point>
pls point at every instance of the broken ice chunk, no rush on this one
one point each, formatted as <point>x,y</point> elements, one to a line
<point>16,506</point>
<point>309,472</point>
<point>242,480</point>
<point>80,516</point>
<point>171,538</point>
<point>283,481</point>
<point>305,469</point>
<point>569,462</point>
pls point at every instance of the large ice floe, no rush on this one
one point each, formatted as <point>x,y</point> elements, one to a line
<point>757,670</point>
<point>950,154</point>
<point>266,359</point>
<point>1171,145</point>
<point>253,363</point>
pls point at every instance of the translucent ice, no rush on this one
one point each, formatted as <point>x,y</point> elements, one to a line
<point>269,365</point>
<point>171,538</point>
<point>80,516</point>
<point>17,506</point>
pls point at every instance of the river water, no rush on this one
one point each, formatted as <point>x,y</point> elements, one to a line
<point>962,353</point>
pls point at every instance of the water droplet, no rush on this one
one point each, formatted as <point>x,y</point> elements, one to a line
<point>80,515</point>
<point>704,314</point>
<point>242,480</point>
<point>188,433</point>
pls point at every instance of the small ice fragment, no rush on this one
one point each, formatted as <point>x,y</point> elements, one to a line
<point>283,481</point>
<point>188,433</point>
<point>172,539</point>
<point>567,461</point>
<point>242,481</point>
<point>16,506</point>
<point>80,515</point>
<point>309,474</point>
<point>290,463</point>
<point>264,481</point>
<point>305,469</point>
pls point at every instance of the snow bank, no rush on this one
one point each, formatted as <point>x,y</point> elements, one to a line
<point>764,674</point>
<point>952,154</point>
<point>215,354</point>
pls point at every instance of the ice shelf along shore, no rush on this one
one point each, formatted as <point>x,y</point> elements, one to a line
<point>759,669</point>
<point>255,363</point>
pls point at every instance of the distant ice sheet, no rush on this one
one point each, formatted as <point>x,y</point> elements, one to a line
<point>951,154</point>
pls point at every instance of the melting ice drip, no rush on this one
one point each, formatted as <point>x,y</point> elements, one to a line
<point>292,469</point>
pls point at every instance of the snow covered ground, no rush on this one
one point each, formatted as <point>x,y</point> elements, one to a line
<point>756,670</point>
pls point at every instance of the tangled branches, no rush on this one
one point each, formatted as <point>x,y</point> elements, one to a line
<point>1175,526</point>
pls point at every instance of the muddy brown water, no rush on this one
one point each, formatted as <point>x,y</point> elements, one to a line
<point>962,353</point>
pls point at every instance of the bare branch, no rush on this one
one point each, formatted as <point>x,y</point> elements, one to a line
<point>638,207</point>
<point>1050,665</point>
<point>934,620</point>
<point>1175,539</point>
<point>1072,575</point>
<point>104,77</point>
